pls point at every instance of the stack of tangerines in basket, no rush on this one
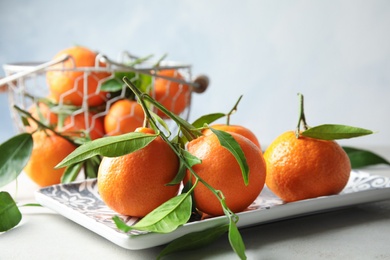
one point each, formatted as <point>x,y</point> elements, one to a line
<point>87,99</point>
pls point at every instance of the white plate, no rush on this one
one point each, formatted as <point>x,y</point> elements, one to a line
<point>80,202</point>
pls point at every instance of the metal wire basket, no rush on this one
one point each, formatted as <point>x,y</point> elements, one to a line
<point>26,84</point>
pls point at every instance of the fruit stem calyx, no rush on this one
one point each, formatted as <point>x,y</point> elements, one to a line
<point>302,118</point>
<point>232,111</point>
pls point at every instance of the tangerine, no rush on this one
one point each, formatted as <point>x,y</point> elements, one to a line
<point>238,129</point>
<point>123,116</point>
<point>220,169</point>
<point>48,150</point>
<point>303,168</point>
<point>70,86</point>
<point>172,95</point>
<point>86,122</point>
<point>135,184</point>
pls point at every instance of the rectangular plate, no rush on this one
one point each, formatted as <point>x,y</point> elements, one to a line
<point>81,203</point>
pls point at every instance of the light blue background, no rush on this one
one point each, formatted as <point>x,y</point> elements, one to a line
<point>337,53</point>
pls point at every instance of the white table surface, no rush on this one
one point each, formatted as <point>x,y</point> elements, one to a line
<point>358,232</point>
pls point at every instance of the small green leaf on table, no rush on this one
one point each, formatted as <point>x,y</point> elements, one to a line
<point>361,158</point>
<point>10,215</point>
<point>15,154</point>
<point>236,241</point>
<point>335,132</point>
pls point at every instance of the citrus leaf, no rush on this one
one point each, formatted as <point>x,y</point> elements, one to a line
<point>334,132</point>
<point>194,240</point>
<point>236,241</point>
<point>361,158</point>
<point>180,174</point>
<point>71,172</point>
<point>111,146</point>
<point>165,218</point>
<point>9,213</point>
<point>187,129</point>
<point>116,84</point>
<point>227,141</point>
<point>160,121</point>
<point>207,119</point>
<point>91,168</point>
<point>15,154</point>
<point>145,82</point>
<point>190,159</point>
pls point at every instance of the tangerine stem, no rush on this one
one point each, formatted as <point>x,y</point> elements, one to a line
<point>41,125</point>
<point>232,111</point>
<point>302,118</point>
<point>140,96</point>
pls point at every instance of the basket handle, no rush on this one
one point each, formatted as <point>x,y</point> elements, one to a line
<point>15,76</point>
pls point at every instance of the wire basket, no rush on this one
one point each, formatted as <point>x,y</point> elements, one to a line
<point>28,90</point>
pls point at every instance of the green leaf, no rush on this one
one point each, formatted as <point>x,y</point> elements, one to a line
<point>231,144</point>
<point>116,84</point>
<point>207,119</point>
<point>334,132</point>
<point>91,168</point>
<point>236,241</point>
<point>194,240</point>
<point>165,218</point>
<point>141,81</point>
<point>361,158</point>
<point>160,121</point>
<point>9,213</point>
<point>145,82</point>
<point>71,172</point>
<point>111,146</point>
<point>180,174</point>
<point>15,154</point>
<point>190,160</point>
<point>187,129</point>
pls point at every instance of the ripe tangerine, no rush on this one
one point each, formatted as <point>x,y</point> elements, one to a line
<point>135,184</point>
<point>220,169</point>
<point>67,85</point>
<point>238,129</point>
<point>86,122</point>
<point>303,168</point>
<point>124,116</point>
<point>172,95</point>
<point>49,149</point>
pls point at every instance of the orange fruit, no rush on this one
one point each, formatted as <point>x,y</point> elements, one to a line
<point>68,85</point>
<point>172,95</point>
<point>49,149</point>
<point>42,113</point>
<point>303,168</point>
<point>135,184</point>
<point>220,169</point>
<point>123,116</point>
<point>76,125</point>
<point>238,129</point>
